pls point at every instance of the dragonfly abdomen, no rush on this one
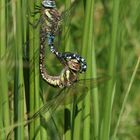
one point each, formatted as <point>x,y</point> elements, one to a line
<point>52,80</point>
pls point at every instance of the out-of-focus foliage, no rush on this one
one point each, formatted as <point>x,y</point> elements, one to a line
<point>127,53</point>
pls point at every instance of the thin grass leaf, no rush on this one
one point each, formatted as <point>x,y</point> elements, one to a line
<point>89,50</point>
<point>107,110</point>
<point>69,134</point>
<point>32,72</point>
<point>4,104</point>
<point>37,73</point>
<point>126,97</point>
<point>19,80</point>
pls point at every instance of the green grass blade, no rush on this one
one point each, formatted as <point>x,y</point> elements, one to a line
<point>113,45</point>
<point>37,76</point>
<point>4,104</point>
<point>69,134</point>
<point>32,72</point>
<point>89,50</point>
<point>19,90</point>
<point>126,97</point>
<point>94,92</point>
<point>86,111</point>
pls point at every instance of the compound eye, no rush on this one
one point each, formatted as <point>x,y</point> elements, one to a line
<point>48,4</point>
<point>74,65</point>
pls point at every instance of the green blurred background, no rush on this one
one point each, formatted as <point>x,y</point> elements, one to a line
<point>107,35</point>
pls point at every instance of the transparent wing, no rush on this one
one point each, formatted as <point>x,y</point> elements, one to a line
<point>79,89</point>
<point>65,26</point>
<point>68,13</point>
<point>75,92</point>
<point>50,106</point>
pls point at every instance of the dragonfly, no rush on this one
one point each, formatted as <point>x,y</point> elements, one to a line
<point>68,83</point>
<point>73,64</point>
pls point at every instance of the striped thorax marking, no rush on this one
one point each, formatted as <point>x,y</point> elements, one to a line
<point>48,14</point>
<point>68,77</point>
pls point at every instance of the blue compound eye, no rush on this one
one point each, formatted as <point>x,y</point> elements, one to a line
<point>48,4</point>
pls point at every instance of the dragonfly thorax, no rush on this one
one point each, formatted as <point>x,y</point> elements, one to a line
<point>68,77</point>
<point>52,20</point>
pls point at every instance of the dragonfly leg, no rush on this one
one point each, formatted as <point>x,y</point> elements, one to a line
<point>36,11</point>
<point>34,25</point>
<point>37,7</point>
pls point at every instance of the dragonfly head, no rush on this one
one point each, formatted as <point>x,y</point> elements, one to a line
<point>75,62</point>
<point>74,65</point>
<point>48,4</point>
<point>68,77</point>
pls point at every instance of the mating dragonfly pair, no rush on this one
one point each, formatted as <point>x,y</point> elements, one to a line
<point>73,64</point>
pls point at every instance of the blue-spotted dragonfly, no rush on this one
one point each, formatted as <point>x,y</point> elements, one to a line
<point>68,90</point>
<point>67,81</point>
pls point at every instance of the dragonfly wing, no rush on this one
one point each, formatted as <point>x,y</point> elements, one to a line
<point>67,14</point>
<point>76,92</point>
<point>65,96</point>
<point>52,105</point>
<point>79,89</point>
<point>93,82</point>
<point>66,17</point>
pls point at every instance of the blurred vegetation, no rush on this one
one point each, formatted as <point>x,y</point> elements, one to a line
<point>106,33</point>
